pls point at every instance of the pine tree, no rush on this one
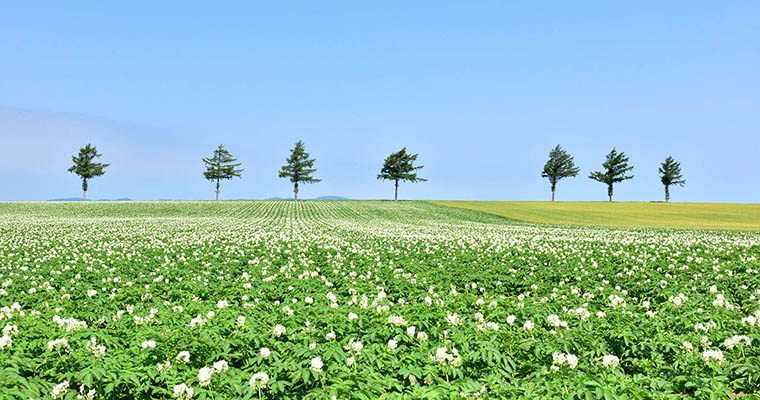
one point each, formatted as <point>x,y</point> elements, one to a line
<point>399,166</point>
<point>670,174</point>
<point>559,166</point>
<point>86,168</point>
<point>298,168</point>
<point>221,166</point>
<point>615,168</point>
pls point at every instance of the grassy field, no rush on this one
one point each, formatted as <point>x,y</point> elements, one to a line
<point>719,216</point>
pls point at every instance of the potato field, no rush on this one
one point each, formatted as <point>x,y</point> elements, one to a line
<point>366,300</point>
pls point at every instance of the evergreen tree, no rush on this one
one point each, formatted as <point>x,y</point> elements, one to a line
<point>559,166</point>
<point>298,168</point>
<point>86,168</point>
<point>399,166</point>
<point>221,166</point>
<point>615,168</point>
<point>670,174</point>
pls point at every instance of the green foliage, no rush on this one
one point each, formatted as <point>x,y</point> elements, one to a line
<point>86,167</point>
<point>399,166</point>
<point>298,168</point>
<point>670,174</point>
<point>220,166</point>
<point>614,170</point>
<point>143,271</point>
<point>559,166</point>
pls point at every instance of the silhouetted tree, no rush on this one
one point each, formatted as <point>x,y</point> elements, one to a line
<point>615,169</point>
<point>298,168</point>
<point>399,166</point>
<point>221,166</point>
<point>86,168</point>
<point>559,166</point>
<point>670,174</point>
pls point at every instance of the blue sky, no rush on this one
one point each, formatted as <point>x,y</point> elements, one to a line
<point>482,90</point>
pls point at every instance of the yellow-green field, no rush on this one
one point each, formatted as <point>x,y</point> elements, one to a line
<point>722,216</point>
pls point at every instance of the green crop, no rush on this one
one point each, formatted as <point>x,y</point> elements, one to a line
<point>366,300</point>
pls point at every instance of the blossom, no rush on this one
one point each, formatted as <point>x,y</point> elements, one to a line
<point>182,391</point>
<point>183,356</point>
<point>316,365</point>
<point>279,330</point>
<point>528,326</point>
<point>221,366</point>
<point>259,380</point>
<point>350,361</point>
<point>240,321</point>
<point>393,343</point>
<point>610,361</point>
<point>149,344</point>
<point>264,352</point>
<point>709,356</point>
<point>731,342</point>
<point>204,376</point>
<point>5,341</point>
<point>60,389</point>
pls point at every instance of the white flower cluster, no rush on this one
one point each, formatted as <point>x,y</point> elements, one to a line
<point>96,349</point>
<point>396,320</point>
<point>732,342</point>
<point>488,326</point>
<point>616,301</point>
<point>705,327</point>
<point>183,392</point>
<point>353,346</point>
<point>279,330</point>
<point>579,312</point>
<point>58,345</point>
<point>554,321</point>
<point>70,324</point>
<point>316,365</point>
<point>610,361</point>
<point>442,356</point>
<point>709,356</point>
<point>560,359</point>
<point>60,390</point>
<point>205,373</point>
<point>678,300</point>
<point>259,380</point>
<point>720,301</point>
<point>183,357</point>
<point>453,319</point>
<point>752,320</point>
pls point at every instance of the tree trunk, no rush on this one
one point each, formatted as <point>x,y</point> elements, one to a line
<point>395,196</point>
<point>84,196</point>
<point>295,195</point>
<point>667,194</point>
<point>217,189</point>
<point>552,194</point>
<point>609,191</point>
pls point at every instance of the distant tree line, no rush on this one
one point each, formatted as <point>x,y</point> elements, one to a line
<point>397,167</point>
<point>615,169</point>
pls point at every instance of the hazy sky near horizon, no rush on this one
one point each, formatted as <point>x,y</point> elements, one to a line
<point>482,90</point>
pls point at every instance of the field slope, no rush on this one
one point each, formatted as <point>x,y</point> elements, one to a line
<point>712,216</point>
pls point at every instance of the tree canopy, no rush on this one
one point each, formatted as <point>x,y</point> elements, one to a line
<point>399,166</point>
<point>670,174</point>
<point>559,166</point>
<point>298,168</point>
<point>220,166</point>
<point>86,167</point>
<point>614,170</point>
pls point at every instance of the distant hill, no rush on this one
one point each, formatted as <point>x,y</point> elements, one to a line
<point>316,198</point>
<point>80,199</point>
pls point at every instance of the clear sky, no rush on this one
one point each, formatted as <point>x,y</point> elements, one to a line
<point>481,89</point>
